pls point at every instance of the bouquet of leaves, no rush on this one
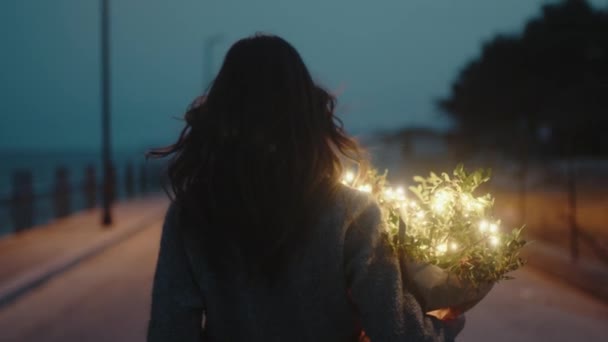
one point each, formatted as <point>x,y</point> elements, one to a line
<point>452,249</point>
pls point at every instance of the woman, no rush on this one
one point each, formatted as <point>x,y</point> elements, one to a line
<point>261,241</point>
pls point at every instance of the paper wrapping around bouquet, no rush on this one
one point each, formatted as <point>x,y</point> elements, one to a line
<point>439,289</point>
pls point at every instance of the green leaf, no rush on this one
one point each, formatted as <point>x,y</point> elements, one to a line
<point>445,176</point>
<point>419,179</point>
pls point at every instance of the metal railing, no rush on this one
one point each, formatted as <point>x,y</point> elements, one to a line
<point>24,207</point>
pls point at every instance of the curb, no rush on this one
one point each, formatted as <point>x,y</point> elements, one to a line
<point>32,279</point>
<point>587,276</point>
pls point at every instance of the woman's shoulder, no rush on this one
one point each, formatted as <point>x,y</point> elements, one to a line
<point>354,202</point>
<point>173,213</point>
<point>353,196</point>
<point>176,218</point>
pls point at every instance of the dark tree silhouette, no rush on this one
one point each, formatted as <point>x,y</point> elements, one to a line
<point>546,88</point>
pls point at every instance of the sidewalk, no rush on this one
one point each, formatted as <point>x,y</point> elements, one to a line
<point>589,276</point>
<point>32,257</point>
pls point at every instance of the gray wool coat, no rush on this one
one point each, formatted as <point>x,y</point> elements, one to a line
<point>347,251</point>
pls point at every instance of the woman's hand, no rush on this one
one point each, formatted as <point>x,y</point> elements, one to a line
<point>363,337</point>
<point>454,326</point>
<point>452,319</point>
<point>445,314</point>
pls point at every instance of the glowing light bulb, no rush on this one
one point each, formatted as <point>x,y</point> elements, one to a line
<point>468,202</point>
<point>365,188</point>
<point>439,207</point>
<point>442,248</point>
<point>483,226</point>
<point>493,227</point>
<point>349,177</point>
<point>454,246</point>
<point>420,214</point>
<point>389,193</point>
<point>494,240</point>
<point>441,199</point>
<point>444,195</point>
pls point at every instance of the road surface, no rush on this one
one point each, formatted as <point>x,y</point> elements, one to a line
<point>107,298</point>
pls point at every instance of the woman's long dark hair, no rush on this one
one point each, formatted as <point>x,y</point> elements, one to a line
<point>259,156</point>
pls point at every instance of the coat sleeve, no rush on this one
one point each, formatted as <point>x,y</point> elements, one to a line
<point>177,301</point>
<point>387,312</point>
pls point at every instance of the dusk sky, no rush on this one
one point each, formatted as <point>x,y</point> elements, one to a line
<point>389,60</point>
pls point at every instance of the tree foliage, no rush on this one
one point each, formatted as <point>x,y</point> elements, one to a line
<point>553,77</point>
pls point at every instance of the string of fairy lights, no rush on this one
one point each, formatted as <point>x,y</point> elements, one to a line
<point>447,224</point>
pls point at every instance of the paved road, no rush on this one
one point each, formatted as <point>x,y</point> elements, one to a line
<point>107,298</point>
<point>534,307</point>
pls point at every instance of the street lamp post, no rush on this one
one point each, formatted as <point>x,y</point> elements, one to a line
<point>108,177</point>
